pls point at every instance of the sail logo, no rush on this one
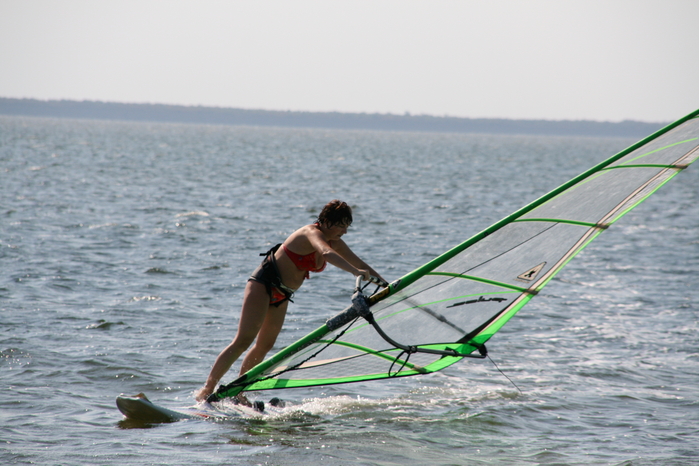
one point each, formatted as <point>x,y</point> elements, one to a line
<point>479,300</point>
<point>531,274</point>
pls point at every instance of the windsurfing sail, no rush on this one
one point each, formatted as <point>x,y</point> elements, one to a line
<point>450,307</point>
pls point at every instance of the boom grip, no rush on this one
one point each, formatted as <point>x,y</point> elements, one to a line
<point>372,279</point>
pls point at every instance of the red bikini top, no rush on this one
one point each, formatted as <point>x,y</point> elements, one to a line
<point>307,262</point>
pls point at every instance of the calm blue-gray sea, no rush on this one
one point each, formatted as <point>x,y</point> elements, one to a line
<point>125,248</point>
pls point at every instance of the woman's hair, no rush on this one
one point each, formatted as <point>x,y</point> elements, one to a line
<point>334,213</point>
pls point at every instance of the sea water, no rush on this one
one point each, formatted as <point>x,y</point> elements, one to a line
<point>125,249</point>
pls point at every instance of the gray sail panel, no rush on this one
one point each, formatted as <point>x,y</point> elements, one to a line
<point>525,253</point>
<point>667,148</point>
<point>593,199</point>
<point>494,246</point>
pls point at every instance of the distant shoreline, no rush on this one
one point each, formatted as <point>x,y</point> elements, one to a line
<point>330,120</point>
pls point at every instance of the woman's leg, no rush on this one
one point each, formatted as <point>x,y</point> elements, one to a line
<point>252,316</point>
<point>266,337</point>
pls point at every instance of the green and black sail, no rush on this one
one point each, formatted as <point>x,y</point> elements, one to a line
<point>450,307</point>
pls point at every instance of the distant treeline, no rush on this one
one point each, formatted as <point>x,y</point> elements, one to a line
<point>370,121</point>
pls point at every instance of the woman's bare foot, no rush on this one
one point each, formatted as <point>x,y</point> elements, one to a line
<point>202,394</point>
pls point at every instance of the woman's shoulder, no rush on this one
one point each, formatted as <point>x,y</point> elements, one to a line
<point>306,230</point>
<point>303,235</point>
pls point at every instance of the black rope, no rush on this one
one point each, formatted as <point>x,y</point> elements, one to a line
<point>496,366</point>
<point>365,287</point>
<point>291,368</point>
<point>223,388</point>
<point>409,351</point>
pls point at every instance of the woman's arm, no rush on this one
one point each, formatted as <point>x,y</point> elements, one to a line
<point>324,248</point>
<point>345,252</point>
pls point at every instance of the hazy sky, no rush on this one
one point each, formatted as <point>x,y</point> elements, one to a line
<point>557,59</point>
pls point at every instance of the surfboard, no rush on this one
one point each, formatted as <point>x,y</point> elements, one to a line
<point>140,408</point>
